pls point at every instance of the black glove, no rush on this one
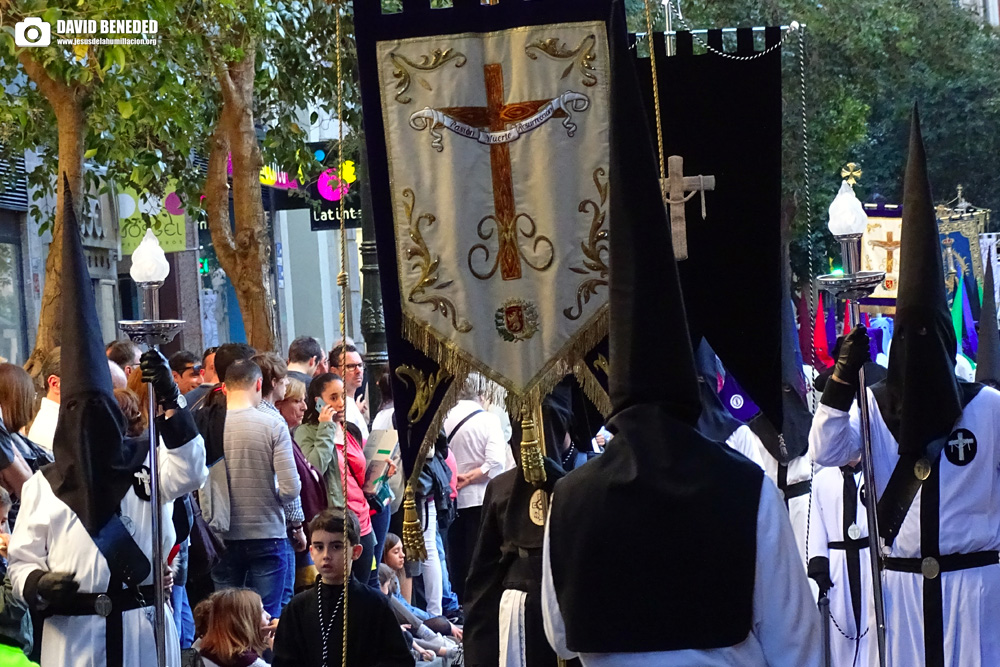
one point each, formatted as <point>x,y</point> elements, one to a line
<point>819,571</point>
<point>156,371</point>
<point>854,352</point>
<point>57,587</point>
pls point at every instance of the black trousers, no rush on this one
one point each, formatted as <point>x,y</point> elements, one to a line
<point>462,537</point>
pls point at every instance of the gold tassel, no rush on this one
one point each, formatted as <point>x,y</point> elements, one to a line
<point>532,464</point>
<point>413,534</point>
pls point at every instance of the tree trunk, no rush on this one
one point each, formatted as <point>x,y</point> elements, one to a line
<point>243,248</point>
<point>67,103</point>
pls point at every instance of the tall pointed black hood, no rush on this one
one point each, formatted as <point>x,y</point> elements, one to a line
<point>923,396</point>
<point>658,477</point>
<point>93,464</point>
<point>988,361</point>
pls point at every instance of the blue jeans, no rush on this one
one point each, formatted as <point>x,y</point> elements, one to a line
<point>362,568</point>
<point>256,564</point>
<point>380,528</point>
<point>288,590</point>
<point>183,619</point>
<point>449,601</point>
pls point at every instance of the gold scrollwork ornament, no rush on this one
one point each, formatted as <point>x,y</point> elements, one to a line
<point>595,249</point>
<point>582,56</point>
<point>403,69</point>
<point>428,267</point>
<point>425,386</point>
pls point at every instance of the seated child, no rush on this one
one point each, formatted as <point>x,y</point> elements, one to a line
<point>238,630</point>
<point>312,625</point>
<point>394,559</point>
<point>16,637</point>
<point>423,638</point>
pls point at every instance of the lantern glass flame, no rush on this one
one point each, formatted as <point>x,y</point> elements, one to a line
<point>149,262</point>
<point>847,215</point>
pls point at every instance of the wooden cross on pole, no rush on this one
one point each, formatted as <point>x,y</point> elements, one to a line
<point>676,187</point>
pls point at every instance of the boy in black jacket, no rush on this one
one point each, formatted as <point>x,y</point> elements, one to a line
<point>311,630</point>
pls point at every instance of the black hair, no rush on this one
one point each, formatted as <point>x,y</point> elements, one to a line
<point>242,374</point>
<point>303,349</point>
<point>226,354</point>
<point>315,390</point>
<point>179,361</point>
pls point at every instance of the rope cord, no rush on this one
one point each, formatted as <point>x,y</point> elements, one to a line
<point>343,281</point>
<point>656,90</point>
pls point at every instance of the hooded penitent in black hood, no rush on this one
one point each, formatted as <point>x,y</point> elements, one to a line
<point>988,361</point>
<point>94,462</point>
<point>658,478</point>
<point>716,422</point>
<point>920,398</point>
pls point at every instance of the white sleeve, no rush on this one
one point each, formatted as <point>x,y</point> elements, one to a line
<point>555,627</point>
<point>28,549</point>
<point>746,442</point>
<point>786,622</point>
<point>496,448</point>
<point>835,435</point>
<point>182,469</point>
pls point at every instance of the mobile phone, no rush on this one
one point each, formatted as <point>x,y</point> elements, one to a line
<point>319,404</point>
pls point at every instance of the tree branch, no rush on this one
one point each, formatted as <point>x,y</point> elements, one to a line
<point>217,196</point>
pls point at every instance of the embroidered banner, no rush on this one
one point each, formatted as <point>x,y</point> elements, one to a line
<point>492,131</point>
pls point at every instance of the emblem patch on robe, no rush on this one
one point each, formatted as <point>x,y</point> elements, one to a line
<point>498,155</point>
<point>141,481</point>
<point>961,447</point>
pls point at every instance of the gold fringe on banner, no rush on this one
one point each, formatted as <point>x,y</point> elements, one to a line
<point>491,385</point>
<point>413,534</point>
<point>592,388</point>
<point>457,362</point>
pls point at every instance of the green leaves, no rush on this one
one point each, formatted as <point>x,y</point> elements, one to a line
<point>125,108</point>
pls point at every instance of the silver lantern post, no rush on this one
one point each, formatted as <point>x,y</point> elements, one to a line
<point>848,222</point>
<point>149,270</point>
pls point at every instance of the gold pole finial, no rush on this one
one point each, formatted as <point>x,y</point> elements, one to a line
<point>851,172</point>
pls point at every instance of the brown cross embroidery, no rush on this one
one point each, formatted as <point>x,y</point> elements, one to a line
<point>890,247</point>
<point>496,116</point>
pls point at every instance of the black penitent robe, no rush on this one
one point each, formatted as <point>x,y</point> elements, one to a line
<point>374,638</point>
<point>508,556</point>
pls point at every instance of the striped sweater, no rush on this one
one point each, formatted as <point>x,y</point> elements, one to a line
<point>262,474</point>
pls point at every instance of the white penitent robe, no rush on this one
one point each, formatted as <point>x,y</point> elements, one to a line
<point>49,536</point>
<point>785,630</point>
<point>969,523</point>
<point>799,470</point>
<point>746,442</point>
<point>850,646</point>
<point>512,631</point>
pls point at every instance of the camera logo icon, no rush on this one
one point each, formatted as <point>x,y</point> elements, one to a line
<point>32,32</point>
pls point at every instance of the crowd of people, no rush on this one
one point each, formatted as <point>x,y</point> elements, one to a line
<point>282,489</point>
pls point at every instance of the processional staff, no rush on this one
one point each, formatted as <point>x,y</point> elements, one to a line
<point>848,222</point>
<point>149,270</point>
